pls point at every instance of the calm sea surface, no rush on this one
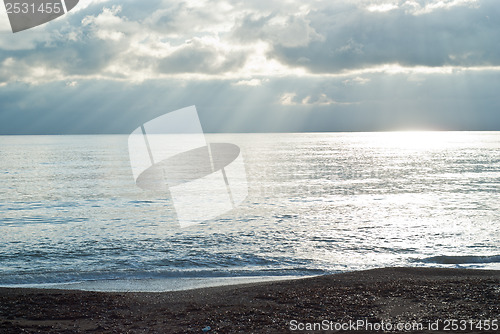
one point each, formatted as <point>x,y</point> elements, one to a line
<point>318,203</point>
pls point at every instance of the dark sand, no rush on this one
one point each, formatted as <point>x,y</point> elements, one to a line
<point>390,295</point>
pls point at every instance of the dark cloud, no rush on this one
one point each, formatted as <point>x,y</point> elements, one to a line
<point>356,38</point>
<point>329,38</point>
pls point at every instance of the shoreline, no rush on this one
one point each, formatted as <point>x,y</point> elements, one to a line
<point>155,284</point>
<point>390,295</point>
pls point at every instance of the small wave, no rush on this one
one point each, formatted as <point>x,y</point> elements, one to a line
<point>71,277</point>
<point>285,216</point>
<point>464,259</point>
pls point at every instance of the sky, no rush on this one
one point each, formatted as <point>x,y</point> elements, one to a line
<point>255,66</point>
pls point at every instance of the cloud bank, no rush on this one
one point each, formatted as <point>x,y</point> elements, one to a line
<point>316,66</point>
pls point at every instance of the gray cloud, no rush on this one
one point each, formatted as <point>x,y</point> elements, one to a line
<point>130,40</point>
<point>288,32</point>
<point>356,38</point>
<point>198,57</point>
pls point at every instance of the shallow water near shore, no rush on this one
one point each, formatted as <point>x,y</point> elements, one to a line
<point>70,212</point>
<point>155,285</point>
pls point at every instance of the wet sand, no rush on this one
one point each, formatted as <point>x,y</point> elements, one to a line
<point>389,296</point>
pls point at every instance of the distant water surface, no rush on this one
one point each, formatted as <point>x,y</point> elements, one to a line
<point>318,203</point>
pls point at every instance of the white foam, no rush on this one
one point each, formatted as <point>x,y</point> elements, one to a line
<point>156,285</point>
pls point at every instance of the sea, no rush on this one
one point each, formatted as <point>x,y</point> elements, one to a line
<point>72,216</point>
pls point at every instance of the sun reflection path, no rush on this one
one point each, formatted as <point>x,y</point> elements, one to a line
<point>417,140</point>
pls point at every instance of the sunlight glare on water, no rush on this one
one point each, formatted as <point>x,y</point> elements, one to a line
<point>318,203</point>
